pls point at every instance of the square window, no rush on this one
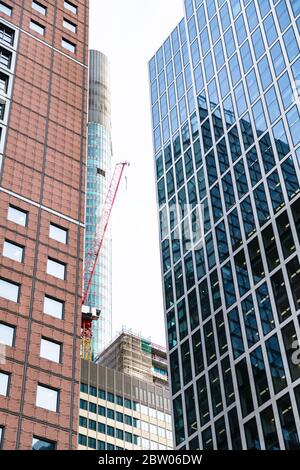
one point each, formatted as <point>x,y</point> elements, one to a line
<point>70,6</point>
<point>7,334</point>
<point>68,45</point>
<point>38,28</point>
<point>47,398</point>
<point>9,290</point>
<point>69,25</point>
<point>56,269</point>
<point>50,350</point>
<point>53,307</point>
<point>13,251</point>
<point>42,444</point>
<point>58,233</point>
<point>4,382</point>
<point>17,215</point>
<point>5,9</point>
<point>39,7</point>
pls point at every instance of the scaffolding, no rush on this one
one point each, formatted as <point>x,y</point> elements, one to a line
<point>135,355</point>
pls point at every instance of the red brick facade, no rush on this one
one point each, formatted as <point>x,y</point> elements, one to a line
<point>43,173</point>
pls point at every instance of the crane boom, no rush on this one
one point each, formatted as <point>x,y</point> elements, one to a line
<point>90,314</point>
<point>97,242</point>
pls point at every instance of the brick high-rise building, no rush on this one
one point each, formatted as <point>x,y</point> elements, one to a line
<point>43,98</point>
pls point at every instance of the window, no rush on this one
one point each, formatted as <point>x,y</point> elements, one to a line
<point>58,233</point>
<point>2,108</point>
<point>276,364</point>
<point>102,428</point>
<point>83,404</point>
<point>13,251</point>
<point>42,444</point>
<point>47,398</point>
<point>92,425</point>
<point>17,215</point>
<point>288,425</point>
<point>92,443</point>
<point>260,377</point>
<point>93,407</point>
<point>83,421</point>
<point>9,290</point>
<point>293,269</point>
<point>53,307</point>
<point>5,9</point>
<point>3,83</point>
<point>235,333</point>
<point>69,25</point>
<point>7,334</point>
<point>1,436</point>
<point>269,429</point>
<point>4,382</point>
<point>285,235</point>
<point>6,34</point>
<point>56,269</point>
<point>50,350</point>
<point>244,387</point>
<point>37,27</point>
<point>82,440</point>
<point>252,435</point>
<point>68,45</point>
<point>39,7</point>
<point>70,6</point>
<point>5,58</point>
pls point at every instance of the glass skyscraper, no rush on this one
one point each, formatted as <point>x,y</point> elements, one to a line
<point>225,108</point>
<point>99,158</point>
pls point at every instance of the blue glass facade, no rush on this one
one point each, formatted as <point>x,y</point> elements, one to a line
<point>226,126</point>
<point>99,155</point>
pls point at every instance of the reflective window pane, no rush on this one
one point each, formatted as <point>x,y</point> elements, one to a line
<point>58,233</point>
<point>47,398</point>
<point>56,269</point>
<point>13,251</point>
<point>7,334</point>
<point>50,350</point>
<point>9,290</point>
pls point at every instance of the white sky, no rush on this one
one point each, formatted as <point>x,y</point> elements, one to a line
<point>129,32</point>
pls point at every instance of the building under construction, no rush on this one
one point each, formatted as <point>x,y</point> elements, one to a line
<point>137,356</point>
<point>124,397</point>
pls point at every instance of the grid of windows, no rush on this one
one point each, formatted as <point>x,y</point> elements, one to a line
<point>129,425</point>
<point>226,128</point>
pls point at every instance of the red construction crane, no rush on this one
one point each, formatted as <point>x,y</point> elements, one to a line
<point>88,314</point>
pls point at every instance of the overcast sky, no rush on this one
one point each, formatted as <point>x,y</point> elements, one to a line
<point>129,32</point>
